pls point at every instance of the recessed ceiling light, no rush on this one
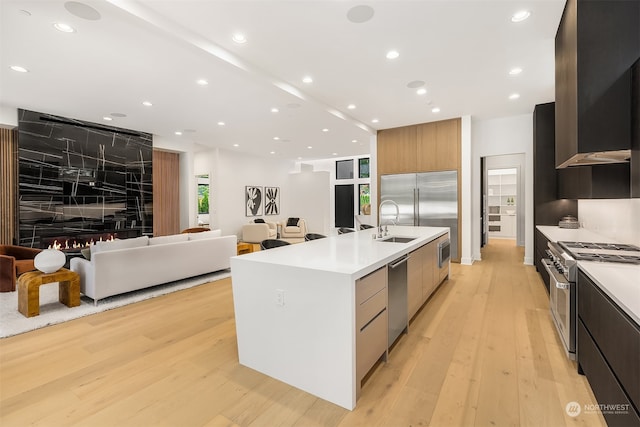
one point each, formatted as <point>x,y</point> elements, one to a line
<point>65,28</point>
<point>354,140</point>
<point>375,121</point>
<point>514,96</point>
<point>360,14</point>
<point>239,38</point>
<point>299,158</point>
<point>325,130</point>
<point>178,133</point>
<point>236,145</point>
<point>202,82</point>
<point>520,16</point>
<point>272,152</point>
<point>435,110</point>
<point>82,10</point>
<point>309,147</point>
<point>415,84</point>
<point>334,154</point>
<point>421,91</point>
<point>351,107</point>
<point>118,115</point>
<point>276,138</point>
<point>19,69</point>
<point>515,71</point>
<point>221,123</point>
<point>107,118</point>
<point>147,103</point>
<point>307,79</point>
<point>274,110</point>
<point>392,54</point>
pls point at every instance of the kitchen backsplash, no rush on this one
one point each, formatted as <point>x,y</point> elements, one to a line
<point>618,219</point>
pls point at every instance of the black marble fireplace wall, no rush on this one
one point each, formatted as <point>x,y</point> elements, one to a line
<point>78,178</point>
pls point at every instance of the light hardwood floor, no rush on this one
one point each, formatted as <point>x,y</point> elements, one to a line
<point>482,351</point>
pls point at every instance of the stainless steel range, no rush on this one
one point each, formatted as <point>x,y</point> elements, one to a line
<point>562,268</point>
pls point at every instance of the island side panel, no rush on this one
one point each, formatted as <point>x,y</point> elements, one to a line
<point>309,342</point>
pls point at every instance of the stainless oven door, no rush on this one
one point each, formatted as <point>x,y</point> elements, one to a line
<point>560,305</point>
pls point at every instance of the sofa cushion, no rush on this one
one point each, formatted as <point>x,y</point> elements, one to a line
<point>205,235</point>
<point>292,222</point>
<point>259,221</point>
<point>137,242</point>
<point>161,240</point>
<point>86,252</point>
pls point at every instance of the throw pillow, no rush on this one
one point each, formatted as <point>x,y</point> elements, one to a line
<point>86,252</point>
<point>259,221</point>
<point>136,242</point>
<point>292,222</point>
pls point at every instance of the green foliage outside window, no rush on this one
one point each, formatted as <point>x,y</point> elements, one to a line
<point>203,198</point>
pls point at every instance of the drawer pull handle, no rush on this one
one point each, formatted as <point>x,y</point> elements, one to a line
<point>372,319</point>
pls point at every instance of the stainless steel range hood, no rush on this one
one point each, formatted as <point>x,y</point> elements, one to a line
<point>598,158</point>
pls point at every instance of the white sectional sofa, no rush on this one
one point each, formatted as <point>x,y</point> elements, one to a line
<point>127,265</point>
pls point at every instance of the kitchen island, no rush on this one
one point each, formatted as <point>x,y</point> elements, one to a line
<point>296,307</point>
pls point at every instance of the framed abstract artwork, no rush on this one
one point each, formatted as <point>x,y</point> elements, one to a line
<point>271,200</point>
<point>253,201</point>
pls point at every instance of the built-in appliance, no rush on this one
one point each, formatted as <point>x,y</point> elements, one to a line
<point>398,304</point>
<point>424,199</point>
<point>562,267</point>
<point>562,271</point>
<point>444,253</point>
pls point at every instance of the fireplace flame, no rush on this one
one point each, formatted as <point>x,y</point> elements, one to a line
<point>75,245</point>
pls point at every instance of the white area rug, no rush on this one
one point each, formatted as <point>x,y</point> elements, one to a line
<point>12,322</point>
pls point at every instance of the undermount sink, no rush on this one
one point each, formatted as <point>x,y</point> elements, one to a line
<point>397,239</point>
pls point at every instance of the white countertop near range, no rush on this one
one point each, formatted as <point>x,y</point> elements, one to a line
<point>621,282</point>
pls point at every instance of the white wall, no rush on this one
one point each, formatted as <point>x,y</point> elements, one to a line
<point>308,197</point>
<point>618,219</point>
<point>494,137</point>
<point>329,166</point>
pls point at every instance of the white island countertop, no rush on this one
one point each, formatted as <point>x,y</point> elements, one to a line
<point>356,254</point>
<point>295,307</point>
<point>621,282</point>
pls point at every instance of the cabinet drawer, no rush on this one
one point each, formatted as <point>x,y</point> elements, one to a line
<point>371,343</point>
<point>370,285</point>
<point>606,388</point>
<point>368,309</point>
<point>616,335</point>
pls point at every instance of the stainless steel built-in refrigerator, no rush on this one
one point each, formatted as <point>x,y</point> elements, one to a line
<point>424,199</point>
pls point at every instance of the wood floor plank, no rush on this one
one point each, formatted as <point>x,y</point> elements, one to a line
<point>482,351</point>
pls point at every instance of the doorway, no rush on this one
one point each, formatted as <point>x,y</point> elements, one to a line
<point>503,198</point>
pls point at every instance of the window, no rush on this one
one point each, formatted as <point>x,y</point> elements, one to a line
<point>364,167</point>
<point>344,169</point>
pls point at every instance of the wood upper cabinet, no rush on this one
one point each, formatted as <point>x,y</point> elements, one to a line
<point>397,150</point>
<point>438,145</point>
<point>426,147</point>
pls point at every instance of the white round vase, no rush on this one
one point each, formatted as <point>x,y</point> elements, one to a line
<point>49,260</point>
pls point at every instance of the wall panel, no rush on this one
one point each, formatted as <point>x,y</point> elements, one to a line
<point>166,193</point>
<point>8,185</point>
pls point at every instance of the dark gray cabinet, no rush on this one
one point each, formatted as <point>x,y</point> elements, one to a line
<point>608,352</point>
<point>596,44</point>
<point>595,182</point>
<point>540,245</point>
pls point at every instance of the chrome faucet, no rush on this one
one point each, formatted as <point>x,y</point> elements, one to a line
<point>384,202</point>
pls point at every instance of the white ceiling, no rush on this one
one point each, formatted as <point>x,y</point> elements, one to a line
<point>156,50</point>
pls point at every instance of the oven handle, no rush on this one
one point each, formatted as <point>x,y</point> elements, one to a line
<point>553,275</point>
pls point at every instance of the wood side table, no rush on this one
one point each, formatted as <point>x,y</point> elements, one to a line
<point>29,289</point>
<point>244,248</point>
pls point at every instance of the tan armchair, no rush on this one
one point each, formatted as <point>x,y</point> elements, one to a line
<point>293,233</point>
<point>257,232</point>
<point>14,260</point>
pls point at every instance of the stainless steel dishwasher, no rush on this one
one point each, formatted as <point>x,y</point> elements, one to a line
<point>397,305</point>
